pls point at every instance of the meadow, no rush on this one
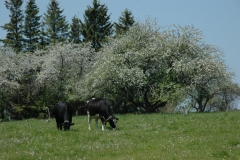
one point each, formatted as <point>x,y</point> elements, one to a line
<point>139,137</point>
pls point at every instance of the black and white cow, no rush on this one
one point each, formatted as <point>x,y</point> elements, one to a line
<point>100,109</point>
<point>63,115</point>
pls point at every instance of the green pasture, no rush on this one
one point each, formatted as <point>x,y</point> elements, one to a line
<point>196,136</point>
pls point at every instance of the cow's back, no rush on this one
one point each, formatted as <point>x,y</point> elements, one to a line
<point>63,115</point>
<point>98,106</point>
<point>59,109</point>
<point>62,111</point>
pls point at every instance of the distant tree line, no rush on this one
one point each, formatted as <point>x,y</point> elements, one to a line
<point>28,31</point>
<point>136,66</point>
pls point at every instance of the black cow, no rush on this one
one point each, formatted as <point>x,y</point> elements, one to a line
<point>63,115</point>
<point>100,109</point>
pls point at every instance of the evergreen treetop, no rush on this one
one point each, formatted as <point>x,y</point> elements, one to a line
<point>32,26</point>
<point>126,20</point>
<point>55,23</point>
<point>43,39</point>
<point>75,31</point>
<point>14,28</point>
<point>96,26</point>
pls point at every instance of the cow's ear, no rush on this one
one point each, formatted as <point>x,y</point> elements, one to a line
<point>72,124</point>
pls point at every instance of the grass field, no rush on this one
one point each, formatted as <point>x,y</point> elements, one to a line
<point>196,136</point>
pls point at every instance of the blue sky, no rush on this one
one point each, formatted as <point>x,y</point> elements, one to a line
<point>219,20</point>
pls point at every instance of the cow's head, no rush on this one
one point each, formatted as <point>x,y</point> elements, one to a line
<point>66,125</point>
<point>113,122</point>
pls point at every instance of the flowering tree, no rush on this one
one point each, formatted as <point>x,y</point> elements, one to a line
<point>131,69</point>
<point>43,78</point>
<point>197,66</point>
<point>225,98</point>
<point>148,66</point>
<point>60,67</point>
<point>10,74</point>
<point>202,79</point>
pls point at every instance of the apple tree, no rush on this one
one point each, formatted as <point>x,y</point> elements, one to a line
<point>150,65</point>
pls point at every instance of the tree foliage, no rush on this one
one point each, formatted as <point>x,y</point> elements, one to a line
<point>32,82</point>
<point>55,23</point>
<point>197,66</point>
<point>131,69</point>
<point>12,68</point>
<point>43,38</point>
<point>32,26</point>
<point>147,66</point>
<point>75,32</point>
<point>9,72</point>
<point>96,26</point>
<point>143,69</point>
<point>126,20</point>
<point>61,66</point>
<point>14,28</point>
<point>226,97</point>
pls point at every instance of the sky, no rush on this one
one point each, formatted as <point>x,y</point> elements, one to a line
<point>219,20</point>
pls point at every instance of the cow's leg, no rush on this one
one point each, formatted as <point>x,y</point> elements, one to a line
<point>103,126</point>
<point>96,122</point>
<point>103,122</point>
<point>58,125</point>
<point>89,122</point>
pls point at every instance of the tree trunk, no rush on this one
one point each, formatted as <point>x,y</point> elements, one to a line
<point>150,108</point>
<point>2,113</point>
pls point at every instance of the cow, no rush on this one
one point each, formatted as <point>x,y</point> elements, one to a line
<point>63,115</point>
<point>100,109</point>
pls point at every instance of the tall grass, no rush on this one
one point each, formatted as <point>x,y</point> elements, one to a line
<point>140,137</point>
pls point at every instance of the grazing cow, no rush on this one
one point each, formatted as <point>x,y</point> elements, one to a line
<point>100,109</point>
<point>63,115</point>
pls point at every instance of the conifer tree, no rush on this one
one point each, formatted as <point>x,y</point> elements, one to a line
<point>75,32</point>
<point>32,26</point>
<point>126,20</point>
<point>43,39</point>
<point>14,28</point>
<point>96,26</point>
<point>55,23</point>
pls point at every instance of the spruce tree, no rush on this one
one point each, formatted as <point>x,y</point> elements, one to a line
<point>32,26</point>
<point>96,26</point>
<point>14,28</point>
<point>126,20</point>
<point>75,32</point>
<point>55,23</point>
<point>43,39</point>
